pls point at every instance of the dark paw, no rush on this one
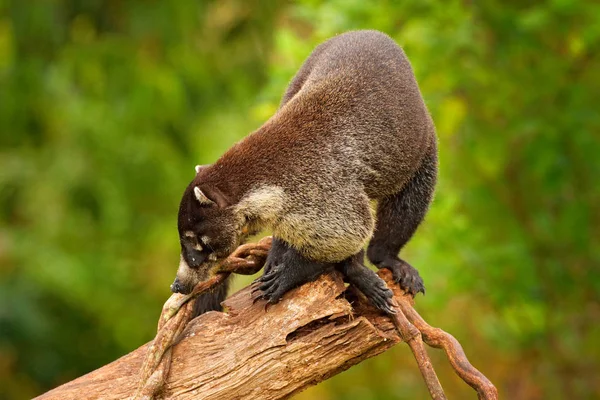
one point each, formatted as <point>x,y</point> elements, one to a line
<point>367,281</point>
<point>272,285</point>
<point>285,269</point>
<point>379,294</point>
<point>407,276</point>
<point>276,254</point>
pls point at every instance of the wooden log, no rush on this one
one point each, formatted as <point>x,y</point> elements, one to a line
<point>253,352</point>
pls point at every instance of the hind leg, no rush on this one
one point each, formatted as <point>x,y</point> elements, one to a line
<point>398,217</point>
<point>367,281</point>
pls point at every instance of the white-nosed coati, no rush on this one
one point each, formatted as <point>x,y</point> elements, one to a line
<point>352,127</point>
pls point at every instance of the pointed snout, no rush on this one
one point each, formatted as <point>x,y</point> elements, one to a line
<point>175,286</point>
<point>184,280</point>
<point>178,287</point>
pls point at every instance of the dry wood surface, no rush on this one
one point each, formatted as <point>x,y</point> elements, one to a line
<point>250,353</point>
<point>257,352</point>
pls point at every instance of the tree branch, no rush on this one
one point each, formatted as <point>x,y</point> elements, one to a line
<point>315,332</point>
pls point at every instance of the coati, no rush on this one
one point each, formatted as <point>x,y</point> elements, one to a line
<point>351,128</point>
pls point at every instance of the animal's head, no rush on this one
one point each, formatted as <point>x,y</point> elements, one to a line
<point>209,231</point>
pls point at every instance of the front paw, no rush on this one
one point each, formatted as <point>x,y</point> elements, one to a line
<point>406,276</point>
<point>276,255</point>
<point>286,269</point>
<point>272,285</point>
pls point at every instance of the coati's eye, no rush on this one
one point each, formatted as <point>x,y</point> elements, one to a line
<point>196,251</point>
<point>190,240</point>
<point>205,241</point>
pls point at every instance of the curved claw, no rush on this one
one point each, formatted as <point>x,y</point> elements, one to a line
<point>255,289</point>
<point>387,308</point>
<point>407,277</point>
<point>277,294</point>
<point>257,298</point>
<point>261,295</point>
<point>380,296</point>
<point>269,287</point>
<point>267,278</point>
<point>386,302</point>
<point>268,305</point>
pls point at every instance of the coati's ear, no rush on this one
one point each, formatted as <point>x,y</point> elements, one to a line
<point>211,195</point>
<point>199,168</point>
<point>201,197</point>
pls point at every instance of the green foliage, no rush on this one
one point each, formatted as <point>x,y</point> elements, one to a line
<point>105,107</point>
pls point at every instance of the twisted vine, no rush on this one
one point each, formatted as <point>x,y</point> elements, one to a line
<point>177,311</point>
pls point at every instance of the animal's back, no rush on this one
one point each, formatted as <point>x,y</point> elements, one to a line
<point>360,88</point>
<point>352,117</point>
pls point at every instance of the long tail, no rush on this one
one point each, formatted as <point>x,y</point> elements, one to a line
<point>211,300</point>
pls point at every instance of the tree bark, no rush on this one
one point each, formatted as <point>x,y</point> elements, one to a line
<point>253,352</point>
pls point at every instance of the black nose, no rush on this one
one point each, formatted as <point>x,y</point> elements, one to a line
<point>176,287</point>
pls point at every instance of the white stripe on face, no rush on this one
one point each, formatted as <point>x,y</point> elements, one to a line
<point>184,272</point>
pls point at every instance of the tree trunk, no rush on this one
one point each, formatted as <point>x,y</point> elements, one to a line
<point>253,352</point>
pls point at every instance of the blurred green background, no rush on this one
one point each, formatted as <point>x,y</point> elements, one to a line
<point>106,106</point>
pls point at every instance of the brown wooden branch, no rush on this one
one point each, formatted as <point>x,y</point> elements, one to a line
<point>411,335</point>
<point>315,332</point>
<point>435,337</point>
<point>247,259</point>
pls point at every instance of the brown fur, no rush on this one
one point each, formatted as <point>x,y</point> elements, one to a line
<point>352,127</point>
